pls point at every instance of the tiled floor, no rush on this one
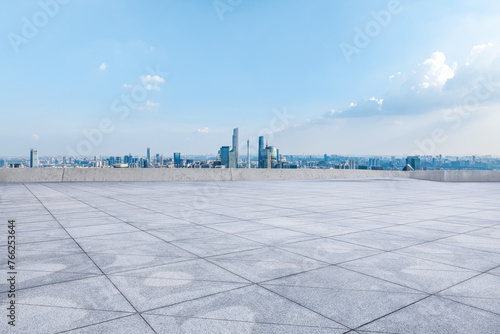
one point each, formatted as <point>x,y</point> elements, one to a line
<point>336,256</point>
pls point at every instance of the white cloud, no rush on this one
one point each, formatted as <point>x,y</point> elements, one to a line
<point>434,85</point>
<point>103,67</point>
<point>476,51</point>
<point>127,85</point>
<point>462,100</point>
<point>152,87</point>
<point>152,104</point>
<point>203,130</point>
<point>152,79</point>
<point>149,106</point>
<point>152,82</point>
<point>434,72</point>
<point>36,137</point>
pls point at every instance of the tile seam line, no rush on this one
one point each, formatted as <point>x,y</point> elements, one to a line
<point>435,294</point>
<point>121,293</point>
<point>244,321</point>
<point>95,324</point>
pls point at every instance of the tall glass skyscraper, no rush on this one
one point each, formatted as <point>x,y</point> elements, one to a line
<point>233,154</point>
<point>34,158</point>
<point>177,159</point>
<point>259,153</point>
<point>224,155</point>
<point>148,156</point>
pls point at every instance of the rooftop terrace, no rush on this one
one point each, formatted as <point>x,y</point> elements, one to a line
<point>298,256</point>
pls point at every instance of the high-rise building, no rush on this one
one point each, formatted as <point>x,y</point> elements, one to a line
<point>259,153</point>
<point>224,155</point>
<point>235,143</point>
<point>248,153</point>
<point>148,156</point>
<point>233,154</point>
<point>350,164</point>
<point>414,162</point>
<point>34,158</point>
<point>177,159</point>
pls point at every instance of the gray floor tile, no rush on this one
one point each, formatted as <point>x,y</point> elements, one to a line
<point>437,315</point>
<point>265,263</point>
<point>189,325</point>
<point>351,308</point>
<point>216,245</point>
<point>129,324</point>
<point>337,278</point>
<point>36,319</point>
<point>329,250</point>
<point>96,293</point>
<point>482,291</point>
<point>199,270</point>
<point>454,255</point>
<point>276,236</point>
<point>377,240</point>
<point>412,272</point>
<point>249,304</point>
<point>147,293</point>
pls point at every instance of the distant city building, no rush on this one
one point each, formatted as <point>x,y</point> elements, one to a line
<point>408,168</point>
<point>350,164</point>
<point>148,156</point>
<point>248,153</point>
<point>414,162</point>
<point>233,154</point>
<point>261,148</point>
<point>268,157</point>
<point>177,160</point>
<point>224,155</point>
<point>34,158</point>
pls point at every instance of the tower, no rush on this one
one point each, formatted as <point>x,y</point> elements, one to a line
<point>248,153</point>
<point>261,147</point>
<point>233,154</point>
<point>34,158</point>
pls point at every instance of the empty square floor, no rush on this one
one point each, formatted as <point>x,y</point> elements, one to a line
<point>303,256</point>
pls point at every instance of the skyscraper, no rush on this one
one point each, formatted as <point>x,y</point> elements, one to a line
<point>233,154</point>
<point>414,162</point>
<point>34,158</point>
<point>177,159</point>
<point>235,143</point>
<point>224,155</point>
<point>148,156</point>
<point>261,147</point>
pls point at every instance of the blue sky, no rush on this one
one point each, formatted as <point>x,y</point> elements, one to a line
<point>423,79</point>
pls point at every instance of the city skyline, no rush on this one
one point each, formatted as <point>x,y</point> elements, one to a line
<point>334,77</point>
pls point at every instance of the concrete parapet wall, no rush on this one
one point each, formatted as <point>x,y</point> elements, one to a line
<point>183,174</point>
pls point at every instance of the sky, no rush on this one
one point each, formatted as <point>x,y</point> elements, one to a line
<point>348,77</point>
